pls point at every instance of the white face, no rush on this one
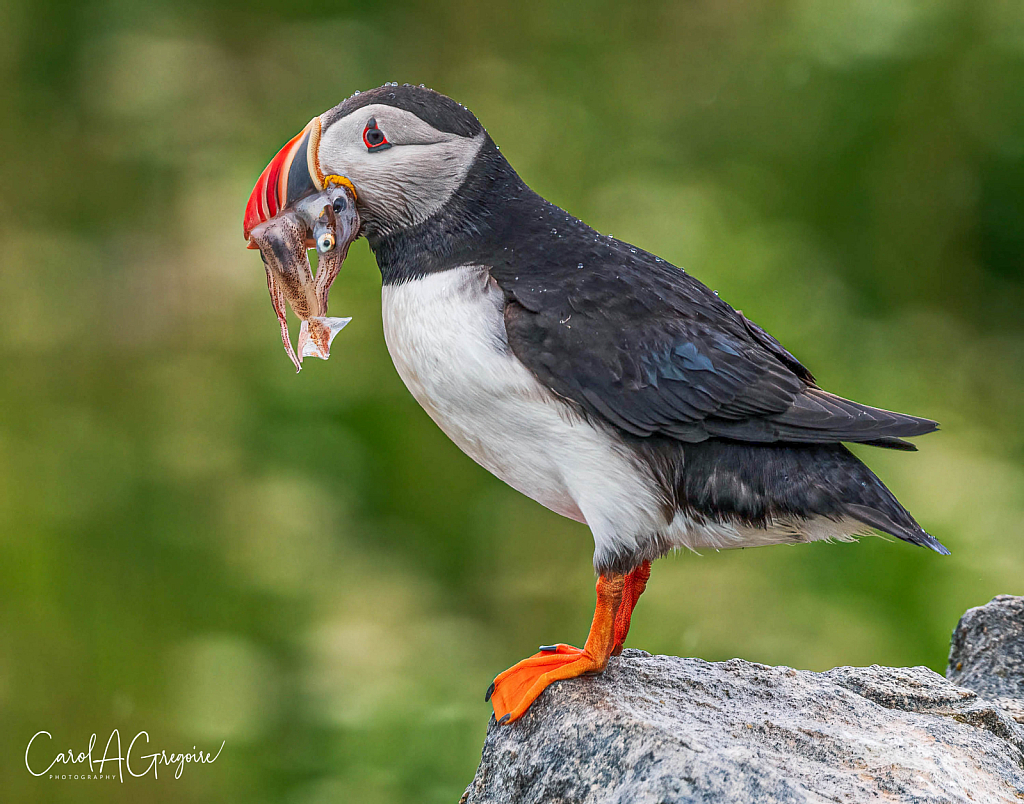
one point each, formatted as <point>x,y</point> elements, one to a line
<point>402,185</point>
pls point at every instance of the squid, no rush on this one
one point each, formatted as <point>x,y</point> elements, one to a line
<point>327,221</point>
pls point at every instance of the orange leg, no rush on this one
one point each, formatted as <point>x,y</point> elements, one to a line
<point>514,690</point>
<point>636,582</point>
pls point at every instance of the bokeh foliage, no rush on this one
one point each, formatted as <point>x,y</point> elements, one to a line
<point>196,542</point>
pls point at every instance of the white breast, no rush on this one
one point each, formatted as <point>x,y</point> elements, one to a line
<point>446,335</point>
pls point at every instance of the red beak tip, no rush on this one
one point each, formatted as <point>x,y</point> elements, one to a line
<point>269,195</point>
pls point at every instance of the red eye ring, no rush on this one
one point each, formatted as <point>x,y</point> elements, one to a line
<point>373,137</point>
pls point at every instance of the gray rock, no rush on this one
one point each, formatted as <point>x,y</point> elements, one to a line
<point>987,652</point>
<point>660,729</point>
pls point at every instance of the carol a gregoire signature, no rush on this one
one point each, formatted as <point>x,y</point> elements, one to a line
<point>41,761</point>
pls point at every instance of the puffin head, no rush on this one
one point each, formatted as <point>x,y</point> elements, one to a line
<point>402,150</point>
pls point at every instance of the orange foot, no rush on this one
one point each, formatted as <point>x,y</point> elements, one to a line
<point>514,690</point>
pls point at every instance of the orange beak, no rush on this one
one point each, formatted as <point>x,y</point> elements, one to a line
<point>292,174</point>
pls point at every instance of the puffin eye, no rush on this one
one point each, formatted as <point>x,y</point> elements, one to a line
<point>373,137</point>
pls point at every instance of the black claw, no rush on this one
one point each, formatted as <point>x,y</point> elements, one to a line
<point>489,693</point>
<point>504,719</point>
<point>548,648</point>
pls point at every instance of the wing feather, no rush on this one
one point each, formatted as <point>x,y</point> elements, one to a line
<point>652,351</point>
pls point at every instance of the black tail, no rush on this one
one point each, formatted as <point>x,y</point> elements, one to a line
<point>865,498</point>
<point>758,484</point>
<point>898,522</point>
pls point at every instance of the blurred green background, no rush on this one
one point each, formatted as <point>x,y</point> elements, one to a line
<point>199,543</point>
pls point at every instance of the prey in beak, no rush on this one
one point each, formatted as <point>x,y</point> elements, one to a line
<point>294,207</point>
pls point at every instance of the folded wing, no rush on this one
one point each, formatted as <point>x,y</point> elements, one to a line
<point>653,351</point>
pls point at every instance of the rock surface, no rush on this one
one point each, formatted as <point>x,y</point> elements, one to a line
<point>987,652</point>
<point>660,730</point>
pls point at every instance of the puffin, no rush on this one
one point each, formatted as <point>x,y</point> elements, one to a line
<point>595,377</point>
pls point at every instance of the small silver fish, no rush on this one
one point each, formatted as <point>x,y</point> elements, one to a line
<point>329,222</point>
